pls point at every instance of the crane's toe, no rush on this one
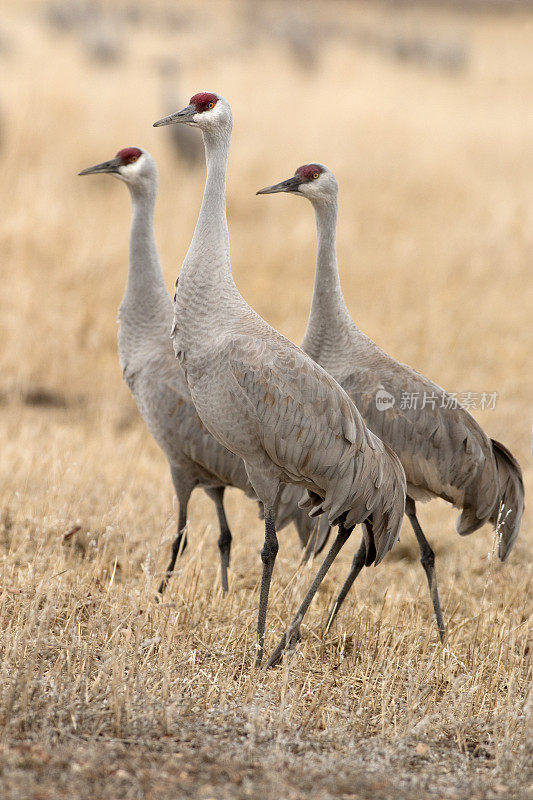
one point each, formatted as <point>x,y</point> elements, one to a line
<point>288,641</point>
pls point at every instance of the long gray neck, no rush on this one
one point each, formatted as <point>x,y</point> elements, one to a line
<point>145,313</point>
<point>145,276</point>
<point>207,263</point>
<point>329,315</point>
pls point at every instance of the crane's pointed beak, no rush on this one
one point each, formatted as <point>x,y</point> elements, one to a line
<point>290,185</point>
<point>106,166</point>
<point>185,115</point>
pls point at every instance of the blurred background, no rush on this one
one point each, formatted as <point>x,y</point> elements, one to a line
<point>424,111</point>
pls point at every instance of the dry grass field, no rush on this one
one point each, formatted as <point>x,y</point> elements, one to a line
<point>105,695</point>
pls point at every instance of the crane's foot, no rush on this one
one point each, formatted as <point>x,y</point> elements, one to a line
<point>162,586</point>
<point>224,580</point>
<point>434,594</point>
<point>441,627</point>
<point>224,564</point>
<point>258,658</point>
<point>288,641</point>
<point>329,623</point>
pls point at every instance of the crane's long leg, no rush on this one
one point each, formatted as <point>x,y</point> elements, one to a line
<point>178,546</point>
<point>224,540</point>
<point>293,631</point>
<point>357,565</point>
<point>427,559</point>
<point>268,557</point>
<point>183,487</point>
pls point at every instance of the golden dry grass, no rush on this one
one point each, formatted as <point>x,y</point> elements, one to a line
<point>129,699</point>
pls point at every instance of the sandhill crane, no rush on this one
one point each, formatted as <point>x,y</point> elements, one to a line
<point>156,379</point>
<point>443,450</point>
<point>264,398</point>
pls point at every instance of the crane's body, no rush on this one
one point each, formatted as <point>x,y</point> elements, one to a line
<point>156,380</point>
<point>264,398</point>
<point>445,453</point>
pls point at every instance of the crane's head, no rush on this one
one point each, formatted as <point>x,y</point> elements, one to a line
<point>314,181</point>
<point>206,110</point>
<point>131,165</point>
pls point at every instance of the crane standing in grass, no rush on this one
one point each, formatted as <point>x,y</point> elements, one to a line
<point>264,398</point>
<point>443,450</point>
<point>157,382</point>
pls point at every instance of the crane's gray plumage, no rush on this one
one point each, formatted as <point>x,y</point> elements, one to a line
<point>443,450</point>
<point>264,398</point>
<point>156,380</point>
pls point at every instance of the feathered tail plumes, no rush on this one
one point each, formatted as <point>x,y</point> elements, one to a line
<point>380,499</point>
<point>503,507</point>
<point>388,514</point>
<point>508,511</point>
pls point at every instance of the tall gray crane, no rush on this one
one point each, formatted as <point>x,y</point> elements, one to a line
<point>264,398</point>
<point>157,382</point>
<point>443,450</point>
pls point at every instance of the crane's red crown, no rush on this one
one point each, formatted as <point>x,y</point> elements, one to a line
<point>129,155</point>
<point>308,171</point>
<point>204,101</point>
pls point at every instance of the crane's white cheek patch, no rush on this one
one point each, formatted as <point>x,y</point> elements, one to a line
<point>129,170</point>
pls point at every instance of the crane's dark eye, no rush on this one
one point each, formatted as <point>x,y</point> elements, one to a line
<point>315,175</point>
<point>133,158</point>
<point>211,104</point>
